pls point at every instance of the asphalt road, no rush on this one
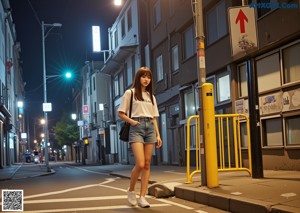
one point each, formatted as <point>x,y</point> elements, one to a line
<point>89,189</point>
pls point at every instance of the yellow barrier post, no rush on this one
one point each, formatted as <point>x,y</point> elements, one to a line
<point>210,135</point>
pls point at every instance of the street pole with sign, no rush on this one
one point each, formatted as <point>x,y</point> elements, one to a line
<point>243,33</point>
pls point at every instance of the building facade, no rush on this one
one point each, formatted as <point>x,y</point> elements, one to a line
<point>161,34</point>
<point>174,58</point>
<point>12,118</point>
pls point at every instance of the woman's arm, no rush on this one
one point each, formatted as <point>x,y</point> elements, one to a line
<point>159,141</point>
<point>125,118</point>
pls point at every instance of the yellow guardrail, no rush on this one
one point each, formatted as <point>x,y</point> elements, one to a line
<point>229,148</point>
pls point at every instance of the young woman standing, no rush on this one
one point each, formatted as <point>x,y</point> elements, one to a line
<point>143,134</point>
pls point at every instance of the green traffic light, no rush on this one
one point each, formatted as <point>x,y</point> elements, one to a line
<point>68,75</point>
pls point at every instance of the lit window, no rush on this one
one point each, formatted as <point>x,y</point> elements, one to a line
<point>116,39</point>
<point>159,68</point>
<point>291,63</point>
<point>223,85</point>
<point>268,70</point>
<point>116,86</point>
<point>175,60</point>
<point>189,104</point>
<point>292,130</point>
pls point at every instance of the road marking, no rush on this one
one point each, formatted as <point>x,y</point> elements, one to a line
<point>175,204</point>
<point>86,170</point>
<point>76,199</point>
<point>287,195</point>
<point>94,208</point>
<point>109,180</point>
<point>236,193</point>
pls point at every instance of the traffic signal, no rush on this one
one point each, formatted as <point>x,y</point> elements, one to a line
<point>68,74</point>
<point>86,141</point>
<point>20,112</point>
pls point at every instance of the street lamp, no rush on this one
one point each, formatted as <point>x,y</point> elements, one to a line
<point>44,36</point>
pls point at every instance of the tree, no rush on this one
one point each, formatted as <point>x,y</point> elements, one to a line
<point>66,130</point>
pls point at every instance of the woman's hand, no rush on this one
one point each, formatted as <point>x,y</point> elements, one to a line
<point>134,123</point>
<point>159,142</point>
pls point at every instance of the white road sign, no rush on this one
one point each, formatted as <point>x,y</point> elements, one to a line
<point>47,107</point>
<point>242,30</point>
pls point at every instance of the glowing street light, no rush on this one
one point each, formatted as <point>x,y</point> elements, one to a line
<point>44,36</point>
<point>118,2</point>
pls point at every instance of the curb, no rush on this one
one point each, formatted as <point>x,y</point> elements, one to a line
<point>230,203</point>
<point>12,174</point>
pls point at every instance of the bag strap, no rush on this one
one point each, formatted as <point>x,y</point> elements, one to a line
<point>130,107</point>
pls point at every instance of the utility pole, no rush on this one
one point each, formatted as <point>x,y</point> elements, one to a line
<point>201,81</point>
<point>254,118</point>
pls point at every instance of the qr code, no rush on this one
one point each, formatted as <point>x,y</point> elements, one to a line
<point>12,200</point>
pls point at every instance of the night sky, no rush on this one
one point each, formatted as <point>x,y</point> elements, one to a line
<point>67,47</point>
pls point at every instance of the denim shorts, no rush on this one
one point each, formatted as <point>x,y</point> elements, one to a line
<point>143,132</point>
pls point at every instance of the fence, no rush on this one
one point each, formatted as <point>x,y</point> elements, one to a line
<point>232,130</point>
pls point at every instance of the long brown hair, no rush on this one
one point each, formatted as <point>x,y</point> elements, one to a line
<point>137,84</point>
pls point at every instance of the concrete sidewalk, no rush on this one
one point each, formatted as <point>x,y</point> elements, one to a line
<point>277,192</point>
<point>23,170</point>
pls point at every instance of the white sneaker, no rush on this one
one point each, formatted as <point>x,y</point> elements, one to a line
<point>142,202</point>
<point>131,198</point>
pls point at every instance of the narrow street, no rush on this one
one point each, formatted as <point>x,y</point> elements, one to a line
<point>88,189</point>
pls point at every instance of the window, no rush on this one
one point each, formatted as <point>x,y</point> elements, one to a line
<point>189,42</point>
<point>268,70</point>
<point>128,69</point>
<point>244,135</point>
<point>94,83</point>
<point>129,19</point>
<point>156,13</point>
<point>123,27</point>
<point>159,68</point>
<point>291,63</point>
<point>242,78</point>
<point>175,58</point>
<point>272,132</point>
<point>223,87</point>
<point>292,130</point>
<point>116,86</point>
<point>216,22</point>
<point>116,39</point>
<point>189,104</point>
<point>121,83</point>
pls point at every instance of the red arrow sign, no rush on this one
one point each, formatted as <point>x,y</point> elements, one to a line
<point>241,17</point>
